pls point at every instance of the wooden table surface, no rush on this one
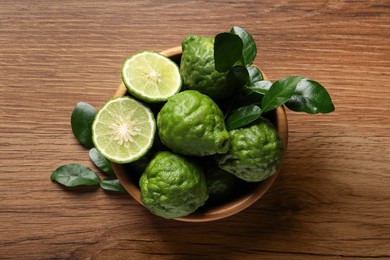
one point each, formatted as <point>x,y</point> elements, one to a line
<point>332,199</point>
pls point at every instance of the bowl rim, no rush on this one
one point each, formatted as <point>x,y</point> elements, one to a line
<point>226,209</point>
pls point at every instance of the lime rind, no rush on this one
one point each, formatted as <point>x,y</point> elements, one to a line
<point>123,130</point>
<point>151,76</point>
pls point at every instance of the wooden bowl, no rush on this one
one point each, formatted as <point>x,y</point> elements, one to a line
<point>235,205</point>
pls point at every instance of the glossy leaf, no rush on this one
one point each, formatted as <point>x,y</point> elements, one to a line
<point>242,116</point>
<point>246,97</point>
<point>73,174</point>
<point>101,162</point>
<point>82,118</point>
<point>112,185</point>
<point>237,76</point>
<point>310,97</point>
<point>261,87</point>
<point>249,49</point>
<point>254,74</point>
<point>227,51</point>
<point>279,93</point>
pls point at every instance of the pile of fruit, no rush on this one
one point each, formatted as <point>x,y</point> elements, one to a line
<point>197,129</point>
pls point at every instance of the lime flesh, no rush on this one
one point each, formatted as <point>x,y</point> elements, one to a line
<point>123,130</point>
<point>151,76</point>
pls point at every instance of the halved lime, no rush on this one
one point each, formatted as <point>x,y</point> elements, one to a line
<point>123,130</point>
<point>151,76</point>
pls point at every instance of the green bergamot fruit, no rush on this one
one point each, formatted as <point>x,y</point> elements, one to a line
<point>255,152</point>
<point>172,186</point>
<point>197,68</point>
<point>191,123</point>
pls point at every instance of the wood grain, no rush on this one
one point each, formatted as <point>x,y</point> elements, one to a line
<point>332,199</point>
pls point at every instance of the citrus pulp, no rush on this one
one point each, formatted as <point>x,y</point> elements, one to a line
<point>151,76</point>
<point>123,130</point>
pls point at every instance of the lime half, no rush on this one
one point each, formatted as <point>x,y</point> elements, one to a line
<point>123,130</point>
<point>151,76</point>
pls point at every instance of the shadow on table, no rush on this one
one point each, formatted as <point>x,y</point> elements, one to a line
<point>275,221</point>
<point>283,220</point>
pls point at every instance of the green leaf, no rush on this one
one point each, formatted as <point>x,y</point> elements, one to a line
<point>237,76</point>
<point>254,74</point>
<point>82,118</point>
<point>246,97</point>
<point>71,175</point>
<point>112,185</point>
<point>242,116</point>
<point>227,51</point>
<point>261,87</point>
<point>249,50</point>
<point>310,97</point>
<point>101,162</point>
<point>279,93</point>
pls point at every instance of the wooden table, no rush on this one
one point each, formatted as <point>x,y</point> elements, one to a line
<point>332,199</point>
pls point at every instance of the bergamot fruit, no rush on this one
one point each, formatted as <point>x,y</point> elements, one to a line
<point>191,123</point>
<point>255,152</point>
<point>197,68</point>
<point>123,130</point>
<point>172,186</point>
<point>151,76</point>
